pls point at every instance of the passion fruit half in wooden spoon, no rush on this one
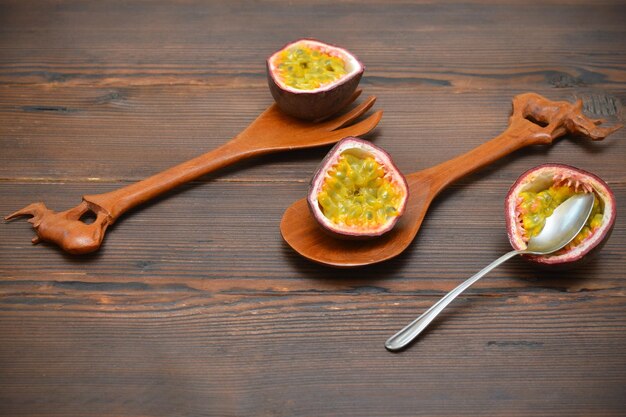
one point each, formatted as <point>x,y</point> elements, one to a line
<point>312,80</point>
<point>357,192</point>
<point>538,191</point>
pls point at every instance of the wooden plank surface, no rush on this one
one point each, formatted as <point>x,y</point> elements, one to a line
<point>194,306</point>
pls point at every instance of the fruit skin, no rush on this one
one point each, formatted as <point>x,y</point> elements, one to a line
<point>382,157</point>
<point>587,248</point>
<point>321,102</point>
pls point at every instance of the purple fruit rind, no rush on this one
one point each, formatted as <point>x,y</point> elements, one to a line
<point>589,246</point>
<point>316,183</point>
<point>319,103</point>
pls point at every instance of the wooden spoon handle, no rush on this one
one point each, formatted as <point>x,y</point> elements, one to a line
<point>507,142</point>
<point>535,120</point>
<point>117,202</point>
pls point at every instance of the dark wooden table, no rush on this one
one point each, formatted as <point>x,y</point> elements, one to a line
<point>194,306</point>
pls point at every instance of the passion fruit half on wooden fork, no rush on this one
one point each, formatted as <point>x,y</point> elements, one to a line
<point>535,195</point>
<point>357,192</point>
<point>312,80</point>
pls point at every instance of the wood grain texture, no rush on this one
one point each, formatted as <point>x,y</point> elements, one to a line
<point>209,313</point>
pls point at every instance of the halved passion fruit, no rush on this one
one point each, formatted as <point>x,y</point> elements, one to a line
<point>357,192</point>
<point>312,80</point>
<point>536,194</point>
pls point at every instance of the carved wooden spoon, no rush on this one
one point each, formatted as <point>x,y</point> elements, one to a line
<point>272,131</point>
<point>535,120</point>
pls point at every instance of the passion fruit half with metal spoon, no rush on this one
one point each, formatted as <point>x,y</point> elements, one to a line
<point>539,191</point>
<point>357,192</point>
<point>312,80</point>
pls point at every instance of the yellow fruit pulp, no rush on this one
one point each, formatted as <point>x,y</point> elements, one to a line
<point>305,68</point>
<point>534,208</point>
<point>357,193</point>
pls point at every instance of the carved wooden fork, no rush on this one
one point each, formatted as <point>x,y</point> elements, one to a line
<point>272,131</point>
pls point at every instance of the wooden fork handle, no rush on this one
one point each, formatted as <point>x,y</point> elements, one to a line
<point>535,120</point>
<point>272,131</point>
<point>117,202</point>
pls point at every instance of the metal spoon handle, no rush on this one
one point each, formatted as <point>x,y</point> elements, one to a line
<point>410,332</point>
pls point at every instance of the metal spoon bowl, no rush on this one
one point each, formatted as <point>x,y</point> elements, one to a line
<point>561,228</point>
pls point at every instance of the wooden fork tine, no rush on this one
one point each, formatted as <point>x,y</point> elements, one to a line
<point>348,117</point>
<point>361,128</point>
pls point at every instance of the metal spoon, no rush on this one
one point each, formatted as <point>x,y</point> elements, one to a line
<point>561,227</point>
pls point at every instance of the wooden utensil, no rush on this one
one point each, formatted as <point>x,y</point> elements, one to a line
<point>535,120</point>
<point>272,131</point>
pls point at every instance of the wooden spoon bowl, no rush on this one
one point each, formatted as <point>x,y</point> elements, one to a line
<point>535,120</point>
